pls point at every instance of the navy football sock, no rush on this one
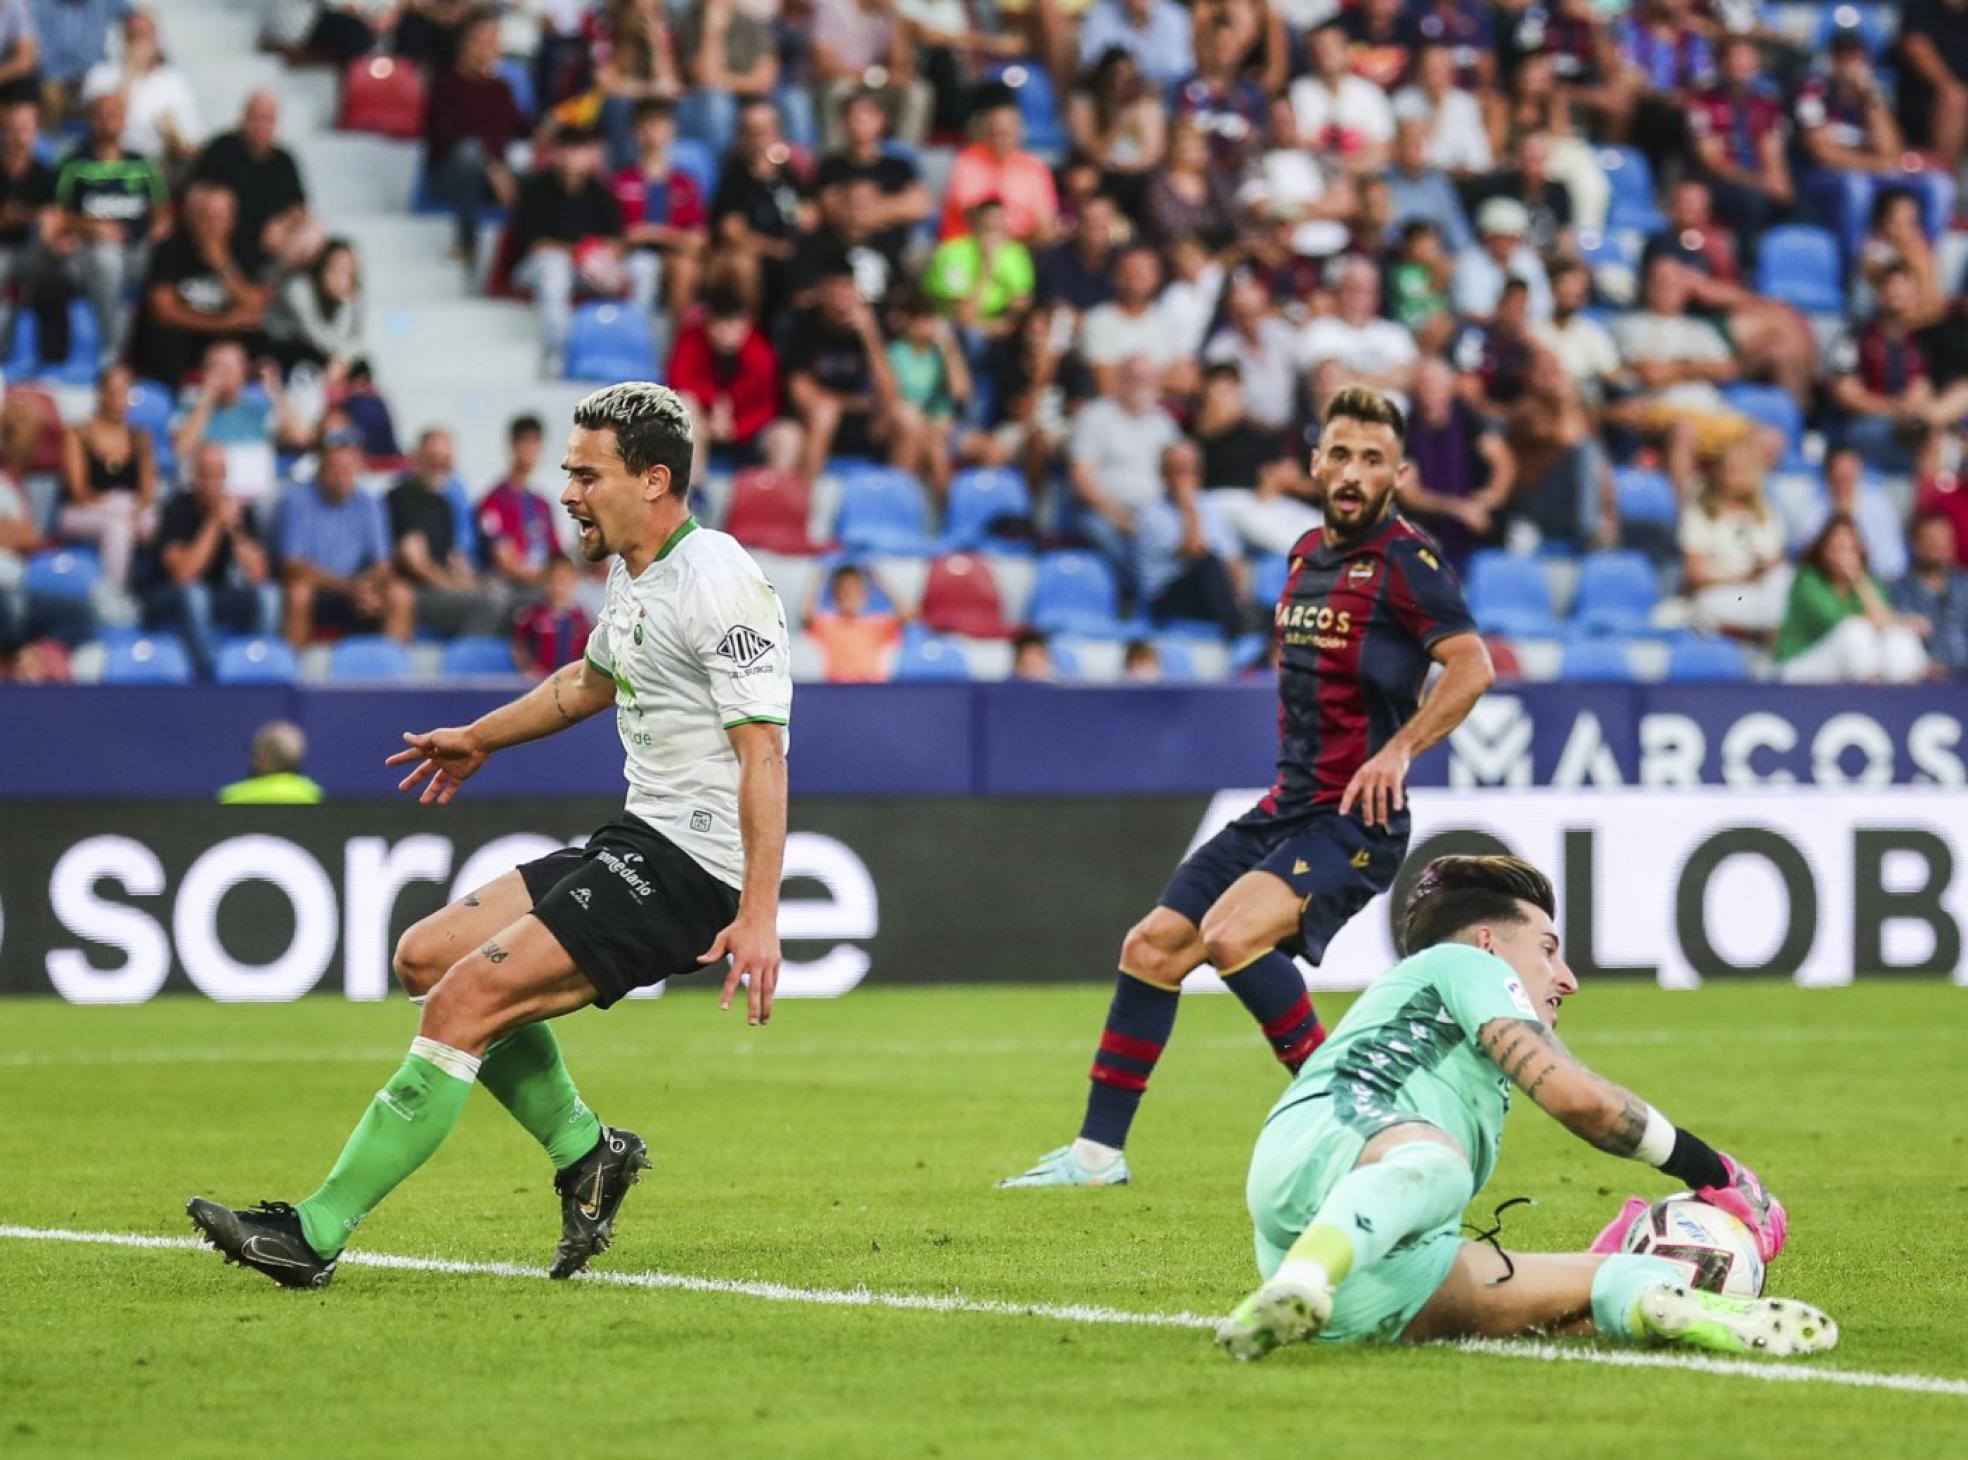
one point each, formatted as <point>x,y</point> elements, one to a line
<point>1272,989</point>
<point>1139,1022</point>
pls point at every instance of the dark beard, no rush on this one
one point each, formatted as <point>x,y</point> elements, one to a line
<point>1343,538</point>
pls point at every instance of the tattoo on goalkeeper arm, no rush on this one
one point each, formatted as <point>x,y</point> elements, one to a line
<point>1589,1105</point>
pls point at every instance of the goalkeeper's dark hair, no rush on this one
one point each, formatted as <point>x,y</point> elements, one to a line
<point>1362,403</point>
<point>1456,893</point>
<point>651,425</point>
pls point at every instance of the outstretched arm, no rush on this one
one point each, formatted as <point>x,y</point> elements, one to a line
<point>448,758</point>
<point>1620,1123</point>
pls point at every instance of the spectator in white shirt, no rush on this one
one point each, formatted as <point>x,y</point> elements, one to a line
<point>1583,345</point>
<point>1263,347</point>
<point>1114,458</point>
<point>1502,254</point>
<point>1732,549</point>
<point>1458,143</point>
<point>1189,300</point>
<point>1340,114</point>
<point>1132,325</point>
<point>1287,185</point>
<point>1368,349</point>
<point>162,119</point>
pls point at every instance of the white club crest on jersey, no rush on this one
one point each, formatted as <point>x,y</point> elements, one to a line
<point>743,647</point>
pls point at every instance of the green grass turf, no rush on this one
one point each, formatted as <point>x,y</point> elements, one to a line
<point>855,1142</point>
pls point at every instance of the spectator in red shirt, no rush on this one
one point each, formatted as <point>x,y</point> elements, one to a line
<point>1945,494</point>
<point>997,166</point>
<point>1884,381</point>
<point>515,523</point>
<point>469,123</point>
<point>725,368</point>
<point>1738,133</point>
<point>663,210</point>
<point>553,631</point>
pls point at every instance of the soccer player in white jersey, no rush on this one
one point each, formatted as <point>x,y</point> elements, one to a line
<point>692,652</point>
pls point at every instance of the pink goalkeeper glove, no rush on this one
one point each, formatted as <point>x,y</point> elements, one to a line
<point>1613,1235</point>
<point>1747,1200</point>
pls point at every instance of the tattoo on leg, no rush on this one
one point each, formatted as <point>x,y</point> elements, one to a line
<point>494,953</point>
<point>471,899</point>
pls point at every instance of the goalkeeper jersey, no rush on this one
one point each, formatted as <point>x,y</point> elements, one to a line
<point>1407,1050</point>
<point>696,645</point>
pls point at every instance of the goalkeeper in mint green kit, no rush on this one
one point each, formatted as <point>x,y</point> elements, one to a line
<point>1363,1168</point>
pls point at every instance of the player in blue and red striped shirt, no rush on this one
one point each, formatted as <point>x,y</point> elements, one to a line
<point>1368,606</point>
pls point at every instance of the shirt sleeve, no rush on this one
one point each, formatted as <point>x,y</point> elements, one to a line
<point>736,627</point>
<point>1425,594</point>
<point>1477,987</point>
<point>599,651</point>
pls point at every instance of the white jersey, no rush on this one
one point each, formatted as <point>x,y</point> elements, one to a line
<point>696,645</point>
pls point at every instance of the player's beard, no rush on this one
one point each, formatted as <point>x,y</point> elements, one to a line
<point>1372,515</point>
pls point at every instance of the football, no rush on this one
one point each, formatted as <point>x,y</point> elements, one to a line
<point>1718,1251</point>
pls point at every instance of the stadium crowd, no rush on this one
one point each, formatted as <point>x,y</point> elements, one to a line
<point>1005,326</point>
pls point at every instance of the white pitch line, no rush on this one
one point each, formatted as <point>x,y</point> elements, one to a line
<point>1058,1312</point>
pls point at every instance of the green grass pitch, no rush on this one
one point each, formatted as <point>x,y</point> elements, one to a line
<point>854,1144</point>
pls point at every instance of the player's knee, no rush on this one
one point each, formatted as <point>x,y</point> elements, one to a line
<point>460,1011</point>
<point>1229,946</point>
<point>1144,956</point>
<point>419,961</point>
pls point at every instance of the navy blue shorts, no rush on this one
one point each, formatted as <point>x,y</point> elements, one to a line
<point>1335,865</point>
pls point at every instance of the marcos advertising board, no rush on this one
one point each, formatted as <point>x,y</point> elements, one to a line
<point>103,903</point>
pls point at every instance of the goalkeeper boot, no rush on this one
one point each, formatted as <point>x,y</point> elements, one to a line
<point>1063,1168</point>
<point>1769,1328</point>
<point>266,1238</point>
<point>1280,1312</point>
<point>590,1192</point>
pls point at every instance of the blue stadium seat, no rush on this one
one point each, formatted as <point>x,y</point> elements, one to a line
<point>152,404</point>
<point>518,75</point>
<point>1632,180</point>
<point>1873,24</point>
<point>1596,661</point>
<point>1268,577</point>
<point>157,659</point>
<point>1646,495</point>
<point>1614,260</point>
<point>693,155</point>
<point>979,497</point>
<point>1178,659</point>
<point>609,343</point>
<point>69,572</point>
<point>1038,105</point>
<point>369,656</point>
<point>883,509</point>
<point>1799,264</point>
<point>84,348</point>
<point>1772,405</point>
<point>1699,659</point>
<point>478,654</point>
<point>929,659</point>
<point>1076,594</point>
<point>1508,594</point>
<point>1617,591</point>
<point>256,661</point>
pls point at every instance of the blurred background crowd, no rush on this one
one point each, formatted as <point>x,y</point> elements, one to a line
<point>1004,323</point>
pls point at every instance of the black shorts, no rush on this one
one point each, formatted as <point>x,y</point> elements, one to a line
<point>631,907</point>
<point>1333,862</point>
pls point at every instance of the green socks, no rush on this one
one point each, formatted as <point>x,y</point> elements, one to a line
<point>1414,1188</point>
<point>403,1127</point>
<point>1616,1290</point>
<point>526,1074</point>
